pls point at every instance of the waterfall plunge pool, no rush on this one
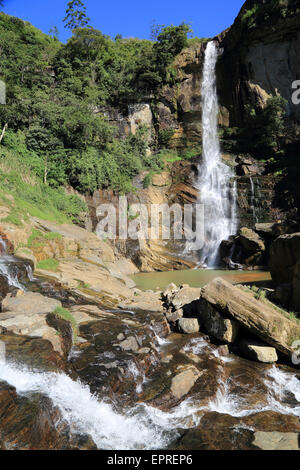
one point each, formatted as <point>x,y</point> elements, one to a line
<point>197,278</point>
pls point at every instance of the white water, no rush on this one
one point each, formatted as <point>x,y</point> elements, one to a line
<point>217,192</point>
<point>8,268</point>
<point>144,427</point>
<point>141,427</point>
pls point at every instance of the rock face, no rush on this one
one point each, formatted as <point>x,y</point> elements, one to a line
<point>31,423</point>
<point>285,269</point>
<point>262,319</point>
<point>261,56</point>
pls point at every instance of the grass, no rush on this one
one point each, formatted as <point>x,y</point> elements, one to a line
<point>50,264</point>
<point>66,315</point>
<point>33,198</point>
<point>260,294</point>
<point>37,238</point>
<point>13,219</point>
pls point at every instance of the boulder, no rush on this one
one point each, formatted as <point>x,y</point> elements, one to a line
<point>183,382</point>
<point>173,317</point>
<point>188,325</point>
<point>251,241</point>
<point>261,318</point>
<point>185,297</point>
<point>130,344</point>
<point>277,440</point>
<point>216,324</point>
<point>259,352</point>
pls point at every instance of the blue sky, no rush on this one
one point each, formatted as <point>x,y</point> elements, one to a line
<point>131,18</point>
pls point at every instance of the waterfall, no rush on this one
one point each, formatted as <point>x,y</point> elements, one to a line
<point>217,191</point>
<point>10,269</point>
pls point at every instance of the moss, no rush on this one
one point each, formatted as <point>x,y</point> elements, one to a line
<point>221,305</point>
<point>48,264</point>
<point>37,237</point>
<point>66,315</point>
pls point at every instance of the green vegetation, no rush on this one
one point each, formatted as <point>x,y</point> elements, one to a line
<point>37,238</point>
<point>50,264</point>
<point>261,294</point>
<point>66,315</point>
<point>55,95</point>
<point>76,15</point>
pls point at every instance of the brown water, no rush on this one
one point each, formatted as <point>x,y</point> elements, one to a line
<point>197,278</point>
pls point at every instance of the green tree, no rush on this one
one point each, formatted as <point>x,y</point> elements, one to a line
<point>76,15</point>
<point>54,32</point>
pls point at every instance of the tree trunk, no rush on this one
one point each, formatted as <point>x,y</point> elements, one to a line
<point>3,132</point>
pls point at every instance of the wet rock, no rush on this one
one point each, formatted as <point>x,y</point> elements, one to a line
<point>4,287</point>
<point>276,441</point>
<point>26,254</point>
<point>270,421</point>
<point>188,325</point>
<point>216,323</point>
<point>223,350</point>
<point>33,352</point>
<point>184,381</point>
<point>261,318</point>
<point>32,423</point>
<point>259,352</point>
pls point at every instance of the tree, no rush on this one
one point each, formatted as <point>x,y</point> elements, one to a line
<point>76,15</point>
<point>54,32</point>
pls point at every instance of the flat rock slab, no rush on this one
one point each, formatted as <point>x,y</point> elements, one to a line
<point>261,318</point>
<point>28,303</point>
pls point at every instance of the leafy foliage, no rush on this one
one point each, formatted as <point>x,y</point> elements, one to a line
<point>76,15</point>
<point>55,93</point>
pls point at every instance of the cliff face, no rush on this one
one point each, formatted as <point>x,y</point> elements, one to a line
<point>261,57</point>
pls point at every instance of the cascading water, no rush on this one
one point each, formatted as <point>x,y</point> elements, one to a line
<point>218,193</point>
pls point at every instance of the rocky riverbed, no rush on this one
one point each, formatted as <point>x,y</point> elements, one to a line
<point>90,361</point>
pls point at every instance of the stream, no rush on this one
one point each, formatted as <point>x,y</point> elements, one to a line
<point>122,400</point>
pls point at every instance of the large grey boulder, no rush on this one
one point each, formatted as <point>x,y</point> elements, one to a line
<point>188,325</point>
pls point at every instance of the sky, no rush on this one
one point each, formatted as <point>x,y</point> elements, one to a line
<point>131,18</point>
